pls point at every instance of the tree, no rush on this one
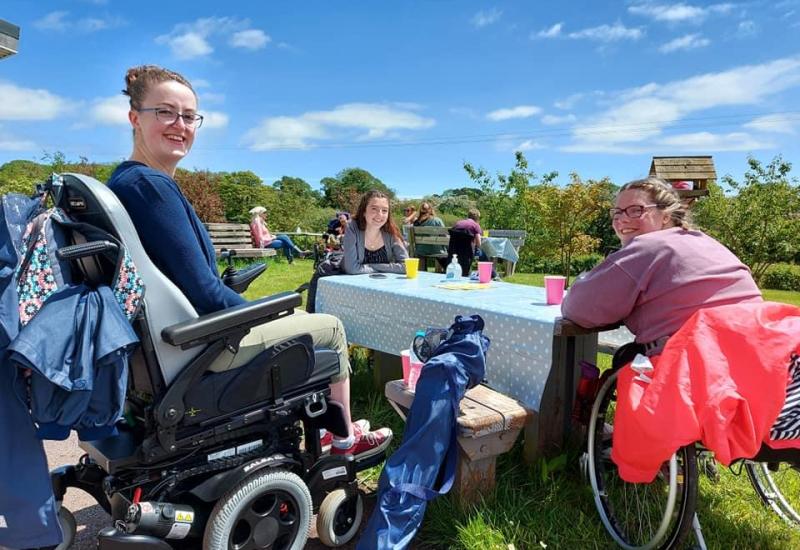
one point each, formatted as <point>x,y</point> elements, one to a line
<point>344,191</point>
<point>244,177</point>
<point>200,188</point>
<point>299,188</point>
<point>759,218</point>
<point>20,176</point>
<point>565,215</point>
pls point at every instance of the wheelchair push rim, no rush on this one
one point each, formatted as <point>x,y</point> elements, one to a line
<point>638,516</point>
<point>778,487</point>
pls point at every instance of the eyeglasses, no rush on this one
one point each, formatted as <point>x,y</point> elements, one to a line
<point>170,117</point>
<point>633,211</point>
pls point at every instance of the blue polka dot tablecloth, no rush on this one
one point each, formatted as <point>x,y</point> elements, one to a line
<point>385,314</point>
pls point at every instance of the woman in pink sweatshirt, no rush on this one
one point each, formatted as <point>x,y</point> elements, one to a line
<point>262,238</point>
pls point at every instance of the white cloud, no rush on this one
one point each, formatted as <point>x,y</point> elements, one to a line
<point>528,145</point>
<point>678,13</point>
<point>30,104</point>
<point>58,21</point>
<point>193,39</point>
<point>707,141</point>
<point>553,120</point>
<point>686,42</point>
<point>198,83</point>
<point>746,28</point>
<point>551,32</point>
<point>776,123</point>
<point>211,97</point>
<point>521,111</point>
<point>110,110</point>
<point>644,113</point>
<point>251,39</point>
<point>484,18</point>
<point>608,33</point>
<point>214,119</point>
<point>369,120</point>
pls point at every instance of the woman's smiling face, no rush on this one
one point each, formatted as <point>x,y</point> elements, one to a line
<point>652,219</point>
<point>161,143</point>
<point>377,212</point>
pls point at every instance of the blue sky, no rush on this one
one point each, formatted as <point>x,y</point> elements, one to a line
<point>410,90</point>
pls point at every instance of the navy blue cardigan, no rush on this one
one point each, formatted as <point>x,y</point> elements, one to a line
<point>172,234</point>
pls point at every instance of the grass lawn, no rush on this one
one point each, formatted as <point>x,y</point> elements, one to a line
<point>546,506</point>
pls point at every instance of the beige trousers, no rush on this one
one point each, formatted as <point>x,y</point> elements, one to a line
<point>326,331</point>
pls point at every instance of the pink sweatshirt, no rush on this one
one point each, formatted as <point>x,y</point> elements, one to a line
<point>656,282</point>
<point>260,234</point>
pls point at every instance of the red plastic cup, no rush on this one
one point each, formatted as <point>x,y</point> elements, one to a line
<point>413,375</point>
<point>554,288</point>
<point>484,272</point>
<point>405,358</point>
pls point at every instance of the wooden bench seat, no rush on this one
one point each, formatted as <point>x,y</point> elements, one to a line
<point>488,425</point>
<point>427,235</point>
<point>235,236</point>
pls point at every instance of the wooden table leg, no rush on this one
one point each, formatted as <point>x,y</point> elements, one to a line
<point>551,424</point>
<point>386,367</point>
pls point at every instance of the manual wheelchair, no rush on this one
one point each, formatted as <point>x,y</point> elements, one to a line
<point>660,515</point>
<point>228,460</point>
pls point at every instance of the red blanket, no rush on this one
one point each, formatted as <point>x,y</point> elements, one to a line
<point>721,379</point>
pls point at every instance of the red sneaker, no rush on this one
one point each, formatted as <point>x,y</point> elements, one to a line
<point>367,444</point>
<point>359,426</point>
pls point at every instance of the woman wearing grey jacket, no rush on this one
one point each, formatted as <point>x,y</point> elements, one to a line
<point>372,242</point>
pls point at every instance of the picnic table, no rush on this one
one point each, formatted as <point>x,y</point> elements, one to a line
<point>530,359</point>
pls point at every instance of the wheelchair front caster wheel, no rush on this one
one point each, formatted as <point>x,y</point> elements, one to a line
<point>69,528</point>
<point>339,517</point>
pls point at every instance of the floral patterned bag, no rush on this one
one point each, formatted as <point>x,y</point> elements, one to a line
<point>41,273</point>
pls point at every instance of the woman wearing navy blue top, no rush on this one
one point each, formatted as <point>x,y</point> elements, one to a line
<point>164,118</point>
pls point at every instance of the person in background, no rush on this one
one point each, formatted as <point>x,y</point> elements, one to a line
<point>164,116</point>
<point>427,218</point>
<point>262,238</point>
<point>471,226</point>
<point>664,272</point>
<point>409,215</point>
<point>372,242</point>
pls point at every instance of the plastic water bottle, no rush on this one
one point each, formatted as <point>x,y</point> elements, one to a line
<point>453,270</point>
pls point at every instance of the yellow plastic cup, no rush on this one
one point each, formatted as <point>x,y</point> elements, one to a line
<point>486,233</point>
<point>412,267</point>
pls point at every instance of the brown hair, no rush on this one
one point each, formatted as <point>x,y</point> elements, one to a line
<point>474,214</point>
<point>665,197</point>
<point>361,214</point>
<point>426,212</point>
<point>139,80</point>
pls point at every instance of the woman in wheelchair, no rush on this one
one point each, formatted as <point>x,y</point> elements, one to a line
<point>164,117</point>
<point>710,363</point>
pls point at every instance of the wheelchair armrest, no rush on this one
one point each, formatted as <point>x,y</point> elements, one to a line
<point>228,321</point>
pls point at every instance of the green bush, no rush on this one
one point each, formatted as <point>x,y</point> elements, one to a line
<point>782,277</point>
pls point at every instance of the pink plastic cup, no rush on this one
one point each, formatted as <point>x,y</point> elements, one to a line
<point>405,358</point>
<point>554,288</point>
<point>485,272</point>
<point>413,375</point>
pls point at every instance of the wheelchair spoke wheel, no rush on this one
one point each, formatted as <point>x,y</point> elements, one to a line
<point>778,486</point>
<point>638,515</point>
<point>267,510</point>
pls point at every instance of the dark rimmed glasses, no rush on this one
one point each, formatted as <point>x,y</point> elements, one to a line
<point>633,211</point>
<point>170,117</point>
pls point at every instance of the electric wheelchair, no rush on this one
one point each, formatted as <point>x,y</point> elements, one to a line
<point>218,460</point>
<point>660,515</point>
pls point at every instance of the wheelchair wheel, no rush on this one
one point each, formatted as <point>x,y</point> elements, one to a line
<point>778,486</point>
<point>640,516</point>
<point>270,509</point>
<point>339,517</point>
<point>69,528</point>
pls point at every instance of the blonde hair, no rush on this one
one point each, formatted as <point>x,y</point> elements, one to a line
<point>139,80</point>
<point>665,197</point>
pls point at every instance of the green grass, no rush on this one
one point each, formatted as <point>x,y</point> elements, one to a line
<point>534,506</point>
